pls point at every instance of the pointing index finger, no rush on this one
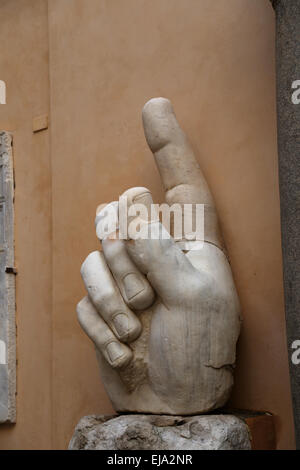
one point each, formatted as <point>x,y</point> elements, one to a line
<point>181,175</point>
<point>180,172</point>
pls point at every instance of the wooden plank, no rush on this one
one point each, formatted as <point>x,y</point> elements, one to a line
<point>262,432</point>
<point>261,427</point>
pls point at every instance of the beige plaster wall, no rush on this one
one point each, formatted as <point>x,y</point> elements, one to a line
<point>24,68</point>
<point>215,61</point>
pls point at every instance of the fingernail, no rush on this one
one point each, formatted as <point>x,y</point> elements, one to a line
<point>121,324</point>
<point>114,351</point>
<point>132,285</point>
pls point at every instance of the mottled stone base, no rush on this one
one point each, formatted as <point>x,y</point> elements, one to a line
<point>155,432</point>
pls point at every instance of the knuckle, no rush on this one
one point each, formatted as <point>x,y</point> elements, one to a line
<point>86,263</point>
<point>101,297</point>
<point>113,249</point>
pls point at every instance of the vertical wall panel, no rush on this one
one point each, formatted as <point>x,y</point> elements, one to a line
<point>7,284</point>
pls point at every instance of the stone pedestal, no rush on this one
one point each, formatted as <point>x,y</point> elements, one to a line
<point>160,432</point>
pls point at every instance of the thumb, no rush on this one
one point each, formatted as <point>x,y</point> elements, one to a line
<point>153,250</point>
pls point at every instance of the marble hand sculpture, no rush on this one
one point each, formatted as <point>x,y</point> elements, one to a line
<point>164,320</point>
